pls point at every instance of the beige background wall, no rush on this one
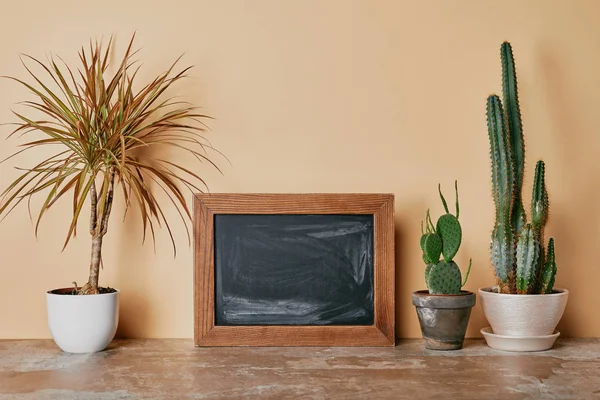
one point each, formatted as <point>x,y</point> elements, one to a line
<point>328,96</point>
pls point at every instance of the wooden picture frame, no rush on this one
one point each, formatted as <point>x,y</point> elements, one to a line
<point>381,333</point>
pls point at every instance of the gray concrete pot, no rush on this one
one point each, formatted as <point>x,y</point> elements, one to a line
<point>443,318</point>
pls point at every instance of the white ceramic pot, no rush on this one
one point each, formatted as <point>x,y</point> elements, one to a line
<point>523,315</point>
<point>82,324</point>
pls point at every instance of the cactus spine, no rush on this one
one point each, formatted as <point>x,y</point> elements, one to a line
<point>443,239</point>
<point>516,247</point>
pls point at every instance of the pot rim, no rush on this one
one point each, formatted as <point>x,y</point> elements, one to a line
<point>422,298</point>
<point>50,292</point>
<point>487,291</point>
<point>425,293</point>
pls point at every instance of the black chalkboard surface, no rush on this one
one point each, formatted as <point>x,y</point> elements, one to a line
<point>293,269</point>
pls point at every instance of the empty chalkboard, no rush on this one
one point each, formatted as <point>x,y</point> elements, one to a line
<point>293,269</point>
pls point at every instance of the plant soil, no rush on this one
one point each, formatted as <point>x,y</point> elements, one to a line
<point>73,291</point>
<point>496,290</point>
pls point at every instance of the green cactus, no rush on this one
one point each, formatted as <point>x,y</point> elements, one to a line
<point>443,199</point>
<point>549,272</point>
<point>510,96</point>
<point>442,277</point>
<point>427,272</point>
<point>449,228</point>
<point>464,282</point>
<point>539,200</point>
<point>456,191</point>
<point>503,242</point>
<point>517,251</point>
<point>539,217</point>
<point>450,231</point>
<point>432,248</point>
<point>528,259</point>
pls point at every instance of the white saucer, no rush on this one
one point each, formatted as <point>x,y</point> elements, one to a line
<point>512,343</point>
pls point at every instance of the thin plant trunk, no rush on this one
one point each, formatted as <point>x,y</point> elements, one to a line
<point>95,264</point>
<point>98,228</point>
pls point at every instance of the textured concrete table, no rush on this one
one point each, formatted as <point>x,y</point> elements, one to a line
<point>174,369</point>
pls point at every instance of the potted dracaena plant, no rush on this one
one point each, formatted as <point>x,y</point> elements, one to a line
<point>524,307</point>
<point>444,309</point>
<point>104,128</point>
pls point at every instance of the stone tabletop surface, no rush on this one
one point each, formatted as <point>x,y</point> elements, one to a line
<point>175,369</point>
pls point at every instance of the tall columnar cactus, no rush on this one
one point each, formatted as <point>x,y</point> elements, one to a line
<point>515,132</point>
<point>549,272</point>
<point>443,239</point>
<point>517,251</point>
<point>503,237</point>
<point>539,201</point>
<point>528,260</point>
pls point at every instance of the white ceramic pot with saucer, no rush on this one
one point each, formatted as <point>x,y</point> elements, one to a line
<point>524,317</point>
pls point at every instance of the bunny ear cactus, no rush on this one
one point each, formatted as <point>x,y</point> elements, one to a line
<point>432,248</point>
<point>444,278</point>
<point>516,247</point>
<point>443,239</point>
